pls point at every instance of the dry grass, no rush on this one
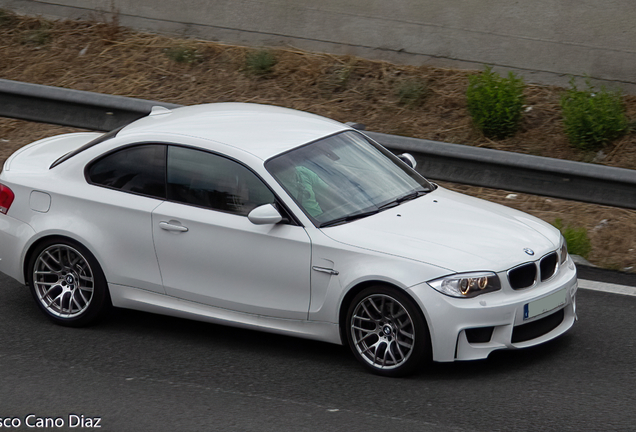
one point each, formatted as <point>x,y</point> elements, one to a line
<point>17,133</point>
<point>103,57</point>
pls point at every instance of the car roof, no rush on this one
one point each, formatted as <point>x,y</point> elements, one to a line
<point>262,130</point>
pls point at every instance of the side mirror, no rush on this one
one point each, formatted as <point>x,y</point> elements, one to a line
<point>408,159</point>
<point>264,215</point>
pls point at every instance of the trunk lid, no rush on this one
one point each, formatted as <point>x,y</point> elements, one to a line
<point>39,155</point>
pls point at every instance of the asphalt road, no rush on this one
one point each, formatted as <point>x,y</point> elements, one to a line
<point>142,372</point>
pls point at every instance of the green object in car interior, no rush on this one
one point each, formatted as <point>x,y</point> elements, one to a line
<point>306,182</point>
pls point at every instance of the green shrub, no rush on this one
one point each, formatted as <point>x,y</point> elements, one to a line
<point>576,238</point>
<point>411,92</point>
<point>38,36</point>
<point>183,54</point>
<point>495,103</point>
<point>260,62</point>
<point>6,18</point>
<point>592,117</point>
<point>336,78</point>
<point>342,74</point>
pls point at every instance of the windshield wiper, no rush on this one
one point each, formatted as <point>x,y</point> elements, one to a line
<point>349,218</point>
<point>400,200</point>
<point>390,204</point>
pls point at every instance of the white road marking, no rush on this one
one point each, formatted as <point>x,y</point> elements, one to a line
<point>607,287</point>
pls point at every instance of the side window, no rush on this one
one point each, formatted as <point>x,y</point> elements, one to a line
<point>139,169</point>
<point>208,180</point>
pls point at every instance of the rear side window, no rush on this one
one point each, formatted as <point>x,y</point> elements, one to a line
<point>140,169</point>
<point>215,182</point>
<point>99,139</point>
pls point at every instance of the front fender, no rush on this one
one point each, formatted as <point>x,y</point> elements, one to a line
<point>355,267</point>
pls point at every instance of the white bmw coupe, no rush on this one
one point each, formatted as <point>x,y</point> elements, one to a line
<point>283,221</point>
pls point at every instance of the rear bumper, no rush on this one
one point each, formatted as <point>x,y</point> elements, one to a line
<point>472,328</point>
<point>14,237</point>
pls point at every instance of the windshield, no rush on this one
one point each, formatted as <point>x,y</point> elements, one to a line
<point>344,177</point>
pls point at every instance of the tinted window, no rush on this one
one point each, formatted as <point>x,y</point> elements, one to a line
<point>342,177</point>
<point>208,180</point>
<point>139,169</point>
<point>98,140</point>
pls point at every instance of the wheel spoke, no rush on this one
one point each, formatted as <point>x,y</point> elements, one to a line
<point>53,258</point>
<point>370,347</point>
<point>62,296</point>
<point>392,309</point>
<point>388,348</point>
<point>85,278</point>
<point>59,296</point>
<point>386,352</point>
<point>43,261</point>
<point>46,293</point>
<point>390,343</point>
<point>408,335</point>
<point>82,295</point>
<point>375,352</point>
<point>74,300</point>
<point>41,272</point>
<point>363,338</point>
<point>404,344</point>
<point>62,261</point>
<point>48,283</point>
<point>399,350</point>
<point>398,314</point>
<point>374,306</point>
<point>71,261</point>
<point>363,329</point>
<point>368,313</point>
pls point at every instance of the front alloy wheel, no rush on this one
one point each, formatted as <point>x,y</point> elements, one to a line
<point>386,332</point>
<point>67,283</point>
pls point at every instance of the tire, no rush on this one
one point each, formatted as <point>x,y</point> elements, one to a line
<point>67,283</point>
<point>387,332</point>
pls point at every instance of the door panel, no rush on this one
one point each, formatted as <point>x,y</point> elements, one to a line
<point>115,212</point>
<point>222,259</point>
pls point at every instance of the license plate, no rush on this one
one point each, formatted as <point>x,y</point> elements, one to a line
<point>546,304</point>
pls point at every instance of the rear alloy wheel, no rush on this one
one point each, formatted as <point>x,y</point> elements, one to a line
<point>386,332</point>
<point>67,283</point>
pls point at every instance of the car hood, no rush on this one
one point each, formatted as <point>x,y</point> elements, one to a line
<point>453,231</point>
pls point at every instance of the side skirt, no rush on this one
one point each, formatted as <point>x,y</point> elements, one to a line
<point>133,298</point>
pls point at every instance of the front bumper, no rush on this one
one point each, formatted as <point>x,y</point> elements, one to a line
<point>472,328</point>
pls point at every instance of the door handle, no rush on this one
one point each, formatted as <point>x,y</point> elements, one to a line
<point>326,270</point>
<point>171,227</point>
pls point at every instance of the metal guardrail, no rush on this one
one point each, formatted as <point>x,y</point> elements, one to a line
<point>558,178</point>
<point>68,107</point>
<point>497,169</point>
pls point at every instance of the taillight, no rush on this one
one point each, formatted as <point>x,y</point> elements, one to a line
<point>6,198</point>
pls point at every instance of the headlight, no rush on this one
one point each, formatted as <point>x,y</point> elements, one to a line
<point>467,284</point>
<point>564,251</point>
